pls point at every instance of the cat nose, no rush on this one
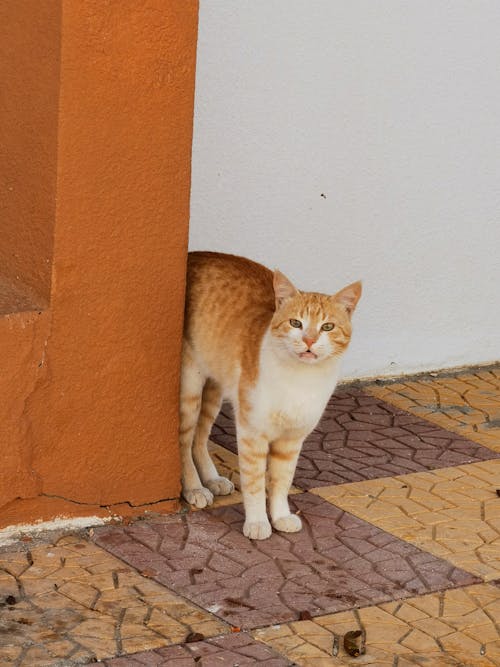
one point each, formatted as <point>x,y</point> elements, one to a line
<point>309,341</point>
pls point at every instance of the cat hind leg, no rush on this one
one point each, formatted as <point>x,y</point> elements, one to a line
<point>192,383</point>
<point>210,405</point>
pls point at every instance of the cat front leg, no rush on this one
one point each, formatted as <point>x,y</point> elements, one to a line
<point>283,455</point>
<point>252,456</point>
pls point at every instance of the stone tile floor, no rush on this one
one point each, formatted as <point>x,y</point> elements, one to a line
<point>362,437</point>
<point>397,490</point>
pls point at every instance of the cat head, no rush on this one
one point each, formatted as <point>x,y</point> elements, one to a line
<point>311,327</point>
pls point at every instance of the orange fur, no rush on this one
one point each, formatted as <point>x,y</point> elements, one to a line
<point>247,330</point>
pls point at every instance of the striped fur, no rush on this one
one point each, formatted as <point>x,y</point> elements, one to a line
<point>243,343</point>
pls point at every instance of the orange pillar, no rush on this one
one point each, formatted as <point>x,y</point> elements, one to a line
<point>30,35</point>
<point>104,413</point>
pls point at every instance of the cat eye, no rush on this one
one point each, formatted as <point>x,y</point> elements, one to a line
<point>328,326</point>
<point>296,323</point>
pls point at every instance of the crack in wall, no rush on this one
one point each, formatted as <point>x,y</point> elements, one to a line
<point>42,378</point>
<point>108,505</point>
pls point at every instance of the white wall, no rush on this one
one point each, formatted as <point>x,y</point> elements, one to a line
<point>391,110</point>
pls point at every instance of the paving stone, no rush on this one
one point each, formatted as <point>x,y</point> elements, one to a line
<point>60,610</point>
<point>336,562</point>
<point>226,651</point>
<point>457,627</point>
<point>362,437</point>
<point>357,559</point>
<point>467,403</point>
<point>453,513</point>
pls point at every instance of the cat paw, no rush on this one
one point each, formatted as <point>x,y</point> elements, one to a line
<point>220,486</point>
<point>198,497</point>
<point>288,524</point>
<point>257,530</point>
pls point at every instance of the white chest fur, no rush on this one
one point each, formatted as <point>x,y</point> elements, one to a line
<point>290,396</point>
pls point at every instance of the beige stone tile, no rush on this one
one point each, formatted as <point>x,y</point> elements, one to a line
<point>443,628</point>
<point>8,584</point>
<point>84,594</point>
<point>419,642</point>
<point>9,654</point>
<point>305,643</point>
<point>146,640</point>
<point>40,572</point>
<point>103,581</point>
<point>80,598</point>
<point>165,625</point>
<point>35,656</point>
<point>96,626</point>
<point>462,528</point>
<point>101,647</point>
<point>468,404</point>
<point>14,563</point>
<point>226,462</point>
<point>61,648</point>
<point>406,612</point>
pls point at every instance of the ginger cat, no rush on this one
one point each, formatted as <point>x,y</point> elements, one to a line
<point>250,337</point>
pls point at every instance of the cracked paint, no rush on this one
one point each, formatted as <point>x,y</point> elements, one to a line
<point>22,340</point>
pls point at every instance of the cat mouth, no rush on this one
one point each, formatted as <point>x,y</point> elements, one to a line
<point>308,355</point>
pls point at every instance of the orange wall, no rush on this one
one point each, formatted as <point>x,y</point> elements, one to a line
<point>29,75</point>
<point>103,414</point>
<point>22,338</point>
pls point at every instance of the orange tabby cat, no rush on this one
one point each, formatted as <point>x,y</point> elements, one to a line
<point>253,339</point>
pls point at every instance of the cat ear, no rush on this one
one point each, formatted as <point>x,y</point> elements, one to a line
<point>349,296</point>
<point>283,288</point>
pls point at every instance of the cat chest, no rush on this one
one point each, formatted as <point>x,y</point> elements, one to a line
<point>289,404</point>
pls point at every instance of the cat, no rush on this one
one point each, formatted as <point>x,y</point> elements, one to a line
<point>250,337</point>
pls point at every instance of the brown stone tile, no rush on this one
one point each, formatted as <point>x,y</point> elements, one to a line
<point>228,651</point>
<point>362,437</point>
<point>336,562</point>
<point>453,513</point>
